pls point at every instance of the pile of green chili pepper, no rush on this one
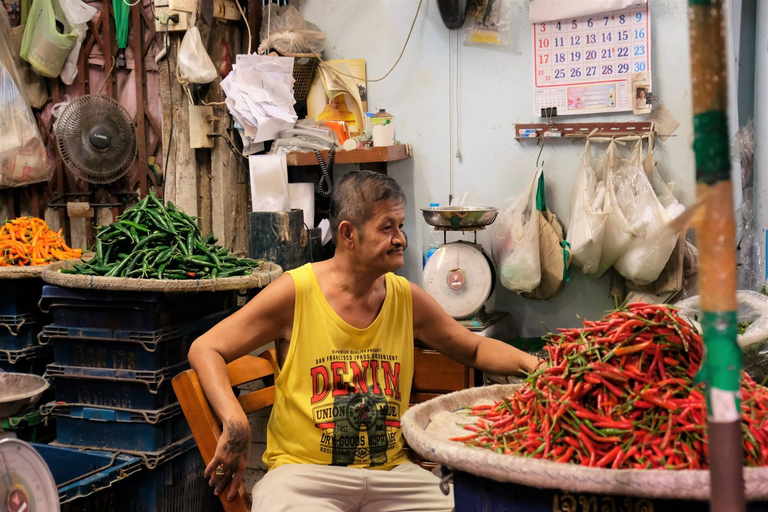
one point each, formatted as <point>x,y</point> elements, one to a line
<point>154,241</point>
<point>618,393</point>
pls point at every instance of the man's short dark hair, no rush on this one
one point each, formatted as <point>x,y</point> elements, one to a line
<point>356,194</point>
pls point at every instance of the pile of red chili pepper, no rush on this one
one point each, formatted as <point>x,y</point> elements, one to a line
<point>618,393</point>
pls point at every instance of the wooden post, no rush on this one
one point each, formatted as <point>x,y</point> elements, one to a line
<point>717,257</point>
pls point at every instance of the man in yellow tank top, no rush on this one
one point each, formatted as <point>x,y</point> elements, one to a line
<point>345,329</point>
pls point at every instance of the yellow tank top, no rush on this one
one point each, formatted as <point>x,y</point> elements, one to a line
<point>342,391</point>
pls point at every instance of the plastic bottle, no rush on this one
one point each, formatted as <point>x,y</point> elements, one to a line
<point>432,240</point>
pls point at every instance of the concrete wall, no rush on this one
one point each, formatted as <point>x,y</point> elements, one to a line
<point>494,89</point>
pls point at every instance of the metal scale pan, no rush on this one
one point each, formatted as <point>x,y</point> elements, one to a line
<point>26,483</point>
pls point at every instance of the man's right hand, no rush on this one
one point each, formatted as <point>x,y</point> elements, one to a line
<point>228,464</point>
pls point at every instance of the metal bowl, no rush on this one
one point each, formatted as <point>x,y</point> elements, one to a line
<point>19,391</point>
<point>457,217</point>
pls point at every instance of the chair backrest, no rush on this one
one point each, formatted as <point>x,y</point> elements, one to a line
<point>206,427</point>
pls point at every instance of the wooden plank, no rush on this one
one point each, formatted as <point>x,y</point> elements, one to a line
<point>229,181</point>
<point>356,156</point>
<point>434,371</point>
<point>181,182</point>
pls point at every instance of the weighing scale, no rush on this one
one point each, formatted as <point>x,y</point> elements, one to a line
<point>460,275</point>
<point>26,483</point>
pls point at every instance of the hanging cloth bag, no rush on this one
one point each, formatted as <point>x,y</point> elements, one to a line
<point>554,252</point>
<point>516,241</point>
<point>588,213</point>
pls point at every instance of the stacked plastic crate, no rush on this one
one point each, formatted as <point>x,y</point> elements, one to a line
<point>115,354</point>
<point>20,323</point>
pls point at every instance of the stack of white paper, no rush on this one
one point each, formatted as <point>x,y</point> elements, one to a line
<point>260,95</point>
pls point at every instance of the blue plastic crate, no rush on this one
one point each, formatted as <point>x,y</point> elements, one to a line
<point>107,489</point>
<point>477,494</point>
<point>118,429</point>
<point>125,389</point>
<point>135,311</point>
<point>174,486</point>
<point>20,296</point>
<point>126,350</point>
<point>27,360</point>
<point>18,331</point>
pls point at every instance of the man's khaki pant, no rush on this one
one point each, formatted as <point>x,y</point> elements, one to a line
<point>313,488</point>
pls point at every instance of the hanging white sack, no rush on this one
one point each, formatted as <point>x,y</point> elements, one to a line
<point>619,232</point>
<point>588,213</point>
<point>79,14</point>
<point>195,65</point>
<point>651,204</point>
<point>516,241</point>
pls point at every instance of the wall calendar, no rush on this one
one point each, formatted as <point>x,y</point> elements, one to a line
<point>595,64</point>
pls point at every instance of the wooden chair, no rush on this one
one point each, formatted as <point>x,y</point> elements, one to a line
<point>206,427</point>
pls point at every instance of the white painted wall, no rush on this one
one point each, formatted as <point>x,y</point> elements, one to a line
<point>495,93</point>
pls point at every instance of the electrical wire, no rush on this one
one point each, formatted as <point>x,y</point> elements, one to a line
<point>413,24</point>
<point>458,96</point>
<point>106,77</point>
<point>137,2</point>
<point>247,25</point>
<point>450,118</point>
<point>170,97</point>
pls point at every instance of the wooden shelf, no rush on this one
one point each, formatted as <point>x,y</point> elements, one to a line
<point>580,130</point>
<point>356,156</point>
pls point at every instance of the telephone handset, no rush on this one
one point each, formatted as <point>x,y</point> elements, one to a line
<point>299,135</point>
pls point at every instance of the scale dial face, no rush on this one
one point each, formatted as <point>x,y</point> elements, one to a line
<point>458,276</point>
<point>26,484</point>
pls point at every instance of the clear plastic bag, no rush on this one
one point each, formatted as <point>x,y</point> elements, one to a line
<point>195,65</point>
<point>588,213</point>
<point>22,153</point>
<point>752,316</point>
<point>48,38</point>
<point>284,30</point>
<point>516,241</point>
<point>749,254</point>
<point>79,14</point>
<point>618,230</point>
<point>649,207</point>
<point>491,24</point>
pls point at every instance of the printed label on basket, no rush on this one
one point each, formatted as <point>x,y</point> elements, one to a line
<point>585,65</point>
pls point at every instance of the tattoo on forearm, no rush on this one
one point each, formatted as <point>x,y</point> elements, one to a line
<point>237,438</point>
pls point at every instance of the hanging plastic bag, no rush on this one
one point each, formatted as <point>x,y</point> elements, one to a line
<point>649,206</point>
<point>33,85</point>
<point>284,30</point>
<point>22,153</point>
<point>619,232</point>
<point>554,254</point>
<point>516,241</point>
<point>79,14</point>
<point>491,24</point>
<point>195,65</point>
<point>48,38</point>
<point>586,222</point>
<point>752,315</point>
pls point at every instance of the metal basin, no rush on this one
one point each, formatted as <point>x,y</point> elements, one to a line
<point>19,391</point>
<point>457,217</point>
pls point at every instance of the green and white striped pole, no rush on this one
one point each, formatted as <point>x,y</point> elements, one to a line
<point>717,255</point>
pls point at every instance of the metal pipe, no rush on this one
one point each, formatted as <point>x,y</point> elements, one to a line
<point>717,257</point>
<point>761,129</point>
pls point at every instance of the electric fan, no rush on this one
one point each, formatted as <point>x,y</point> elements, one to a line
<point>96,139</point>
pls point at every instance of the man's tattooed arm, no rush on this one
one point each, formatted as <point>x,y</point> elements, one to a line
<point>238,437</point>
